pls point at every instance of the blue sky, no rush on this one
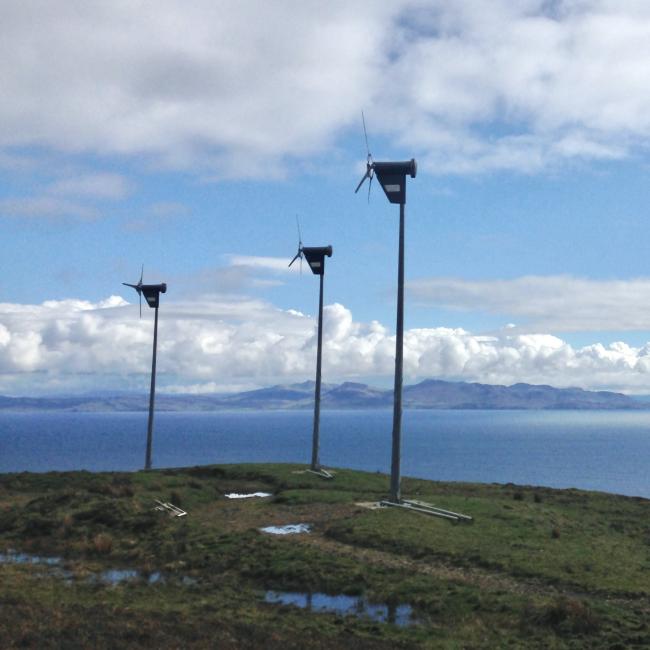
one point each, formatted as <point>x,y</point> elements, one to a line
<point>188,139</point>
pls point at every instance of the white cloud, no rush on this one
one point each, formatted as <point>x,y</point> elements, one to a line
<point>556,303</point>
<point>47,207</point>
<point>208,388</point>
<point>519,86</point>
<point>168,210</point>
<point>156,215</point>
<point>67,195</point>
<point>92,185</point>
<point>277,264</point>
<point>236,85</point>
<point>10,162</point>
<point>239,89</point>
<point>240,274</point>
<point>221,343</point>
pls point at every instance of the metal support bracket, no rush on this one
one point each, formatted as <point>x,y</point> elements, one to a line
<point>429,509</point>
<point>171,509</point>
<point>323,473</point>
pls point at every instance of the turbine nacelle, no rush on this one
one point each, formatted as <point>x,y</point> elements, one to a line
<point>151,292</point>
<point>391,176</point>
<point>315,256</point>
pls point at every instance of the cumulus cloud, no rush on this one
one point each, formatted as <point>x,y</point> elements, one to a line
<point>234,84</point>
<point>504,85</point>
<point>240,89</point>
<point>555,303</point>
<point>221,343</point>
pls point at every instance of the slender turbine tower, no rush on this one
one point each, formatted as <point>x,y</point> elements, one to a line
<point>315,256</point>
<point>151,294</point>
<point>392,178</point>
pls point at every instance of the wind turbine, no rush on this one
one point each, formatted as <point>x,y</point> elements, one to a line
<point>151,294</point>
<point>392,178</point>
<point>315,256</point>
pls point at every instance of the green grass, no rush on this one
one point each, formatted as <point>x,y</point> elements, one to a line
<point>584,540</point>
<point>538,567</point>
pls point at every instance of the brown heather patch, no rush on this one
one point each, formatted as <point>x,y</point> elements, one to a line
<point>103,543</point>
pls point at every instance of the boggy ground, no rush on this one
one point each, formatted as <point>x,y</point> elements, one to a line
<point>538,568</point>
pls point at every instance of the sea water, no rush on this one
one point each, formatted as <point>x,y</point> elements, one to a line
<point>594,450</point>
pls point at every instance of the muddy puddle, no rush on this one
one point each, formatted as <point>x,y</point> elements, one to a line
<point>400,615</point>
<point>54,567</point>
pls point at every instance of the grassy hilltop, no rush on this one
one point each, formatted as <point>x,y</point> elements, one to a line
<point>538,568</point>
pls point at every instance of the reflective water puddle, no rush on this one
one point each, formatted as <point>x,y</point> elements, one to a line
<point>400,615</point>
<point>289,529</point>
<point>107,577</point>
<point>235,495</point>
<point>117,576</point>
<point>25,558</point>
<point>53,564</point>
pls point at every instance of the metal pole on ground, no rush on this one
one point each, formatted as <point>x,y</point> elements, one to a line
<point>315,463</point>
<point>395,493</point>
<point>152,393</point>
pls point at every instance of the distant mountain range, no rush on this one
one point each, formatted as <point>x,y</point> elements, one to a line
<point>428,394</point>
